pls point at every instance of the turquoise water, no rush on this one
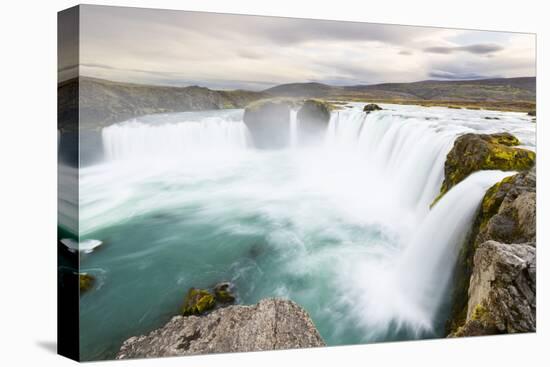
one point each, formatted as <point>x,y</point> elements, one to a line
<point>183,200</point>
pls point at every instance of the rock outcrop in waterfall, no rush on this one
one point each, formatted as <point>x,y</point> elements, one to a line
<point>313,118</point>
<point>268,122</point>
<point>269,325</point>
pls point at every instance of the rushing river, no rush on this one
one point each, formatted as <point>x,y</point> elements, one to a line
<point>342,227</point>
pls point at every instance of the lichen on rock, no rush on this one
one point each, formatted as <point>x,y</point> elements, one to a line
<point>198,301</point>
<point>269,325</point>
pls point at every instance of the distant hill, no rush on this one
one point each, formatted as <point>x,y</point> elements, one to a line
<point>104,102</point>
<point>486,90</point>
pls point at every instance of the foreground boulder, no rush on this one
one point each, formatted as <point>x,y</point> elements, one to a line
<point>271,324</point>
<point>371,107</point>
<point>313,118</point>
<point>269,123</point>
<point>475,152</point>
<point>495,276</point>
<point>502,290</point>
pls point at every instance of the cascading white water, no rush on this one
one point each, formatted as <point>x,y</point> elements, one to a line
<point>293,128</point>
<point>342,227</point>
<point>136,140</point>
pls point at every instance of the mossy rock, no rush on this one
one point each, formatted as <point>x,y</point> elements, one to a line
<point>223,293</point>
<point>371,107</point>
<point>86,282</point>
<point>198,301</point>
<point>476,152</point>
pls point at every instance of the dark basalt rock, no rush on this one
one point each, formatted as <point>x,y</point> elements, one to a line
<point>371,107</point>
<point>269,325</point>
<point>223,293</point>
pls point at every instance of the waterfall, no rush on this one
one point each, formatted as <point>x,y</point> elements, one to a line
<point>407,155</point>
<point>135,139</point>
<point>373,175</point>
<point>293,128</point>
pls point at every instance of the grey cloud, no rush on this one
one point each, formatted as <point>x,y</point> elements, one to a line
<point>405,52</point>
<point>478,49</point>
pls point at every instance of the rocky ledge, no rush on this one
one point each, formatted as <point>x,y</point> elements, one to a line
<point>475,152</point>
<point>270,324</point>
<point>502,290</point>
<point>495,284</point>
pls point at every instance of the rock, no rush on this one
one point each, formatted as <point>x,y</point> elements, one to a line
<point>269,325</point>
<point>502,290</point>
<point>508,210</point>
<point>371,107</point>
<point>532,113</point>
<point>86,282</point>
<point>198,301</point>
<point>313,118</point>
<point>475,152</point>
<point>491,118</point>
<point>507,215</point>
<point>269,123</point>
<point>223,293</point>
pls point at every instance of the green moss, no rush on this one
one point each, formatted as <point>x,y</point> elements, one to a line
<point>476,152</point>
<point>479,313</point>
<point>86,282</point>
<point>198,301</point>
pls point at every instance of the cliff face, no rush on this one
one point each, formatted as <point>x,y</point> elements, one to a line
<point>103,102</point>
<point>496,273</point>
<point>271,324</point>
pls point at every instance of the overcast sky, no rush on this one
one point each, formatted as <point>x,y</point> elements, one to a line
<point>252,52</point>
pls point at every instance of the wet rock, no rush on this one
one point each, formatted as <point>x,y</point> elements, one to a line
<point>86,282</point>
<point>198,301</point>
<point>475,152</point>
<point>371,107</point>
<point>502,290</point>
<point>269,123</point>
<point>269,325</point>
<point>532,113</point>
<point>223,293</point>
